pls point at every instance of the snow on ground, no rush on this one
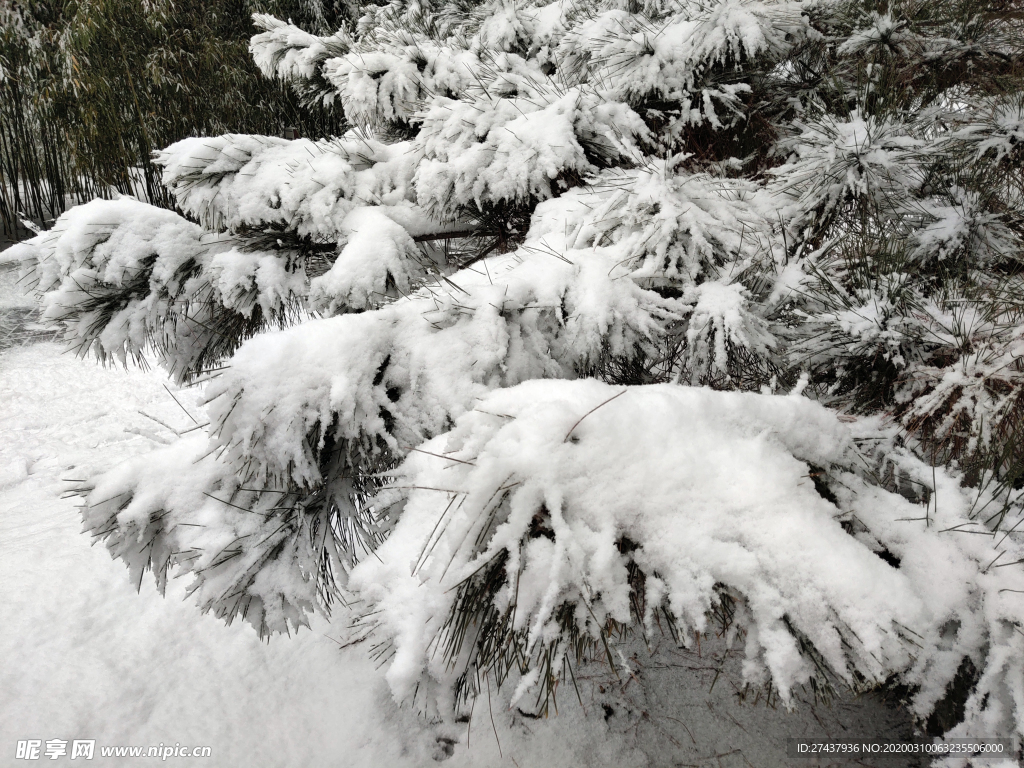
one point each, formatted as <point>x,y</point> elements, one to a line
<point>85,656</point>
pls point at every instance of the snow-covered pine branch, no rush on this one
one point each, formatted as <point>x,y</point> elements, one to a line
<point>122,278</point>
<point>467,337</point>
<point>294,55</point>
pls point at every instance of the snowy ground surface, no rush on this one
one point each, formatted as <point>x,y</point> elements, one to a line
<point>85,656</point>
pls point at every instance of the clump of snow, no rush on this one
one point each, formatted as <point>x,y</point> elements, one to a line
<point>1000,132</point>
<point>287,52</point>
<point>833,161</point>
<point>721,318</point>
<point>959,222</point>
<point>671,227</point>
<point>667,57</point>
<point>883,33</point>
<point>376,257</point>
<point>235,181</point>
<point>514,149</point>
<point>120,282</point>
<point>726,501</point>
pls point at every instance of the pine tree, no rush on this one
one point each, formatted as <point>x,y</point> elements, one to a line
<point>601,317</point>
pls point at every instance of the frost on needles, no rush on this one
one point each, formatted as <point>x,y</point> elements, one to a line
<point>602,317</point>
